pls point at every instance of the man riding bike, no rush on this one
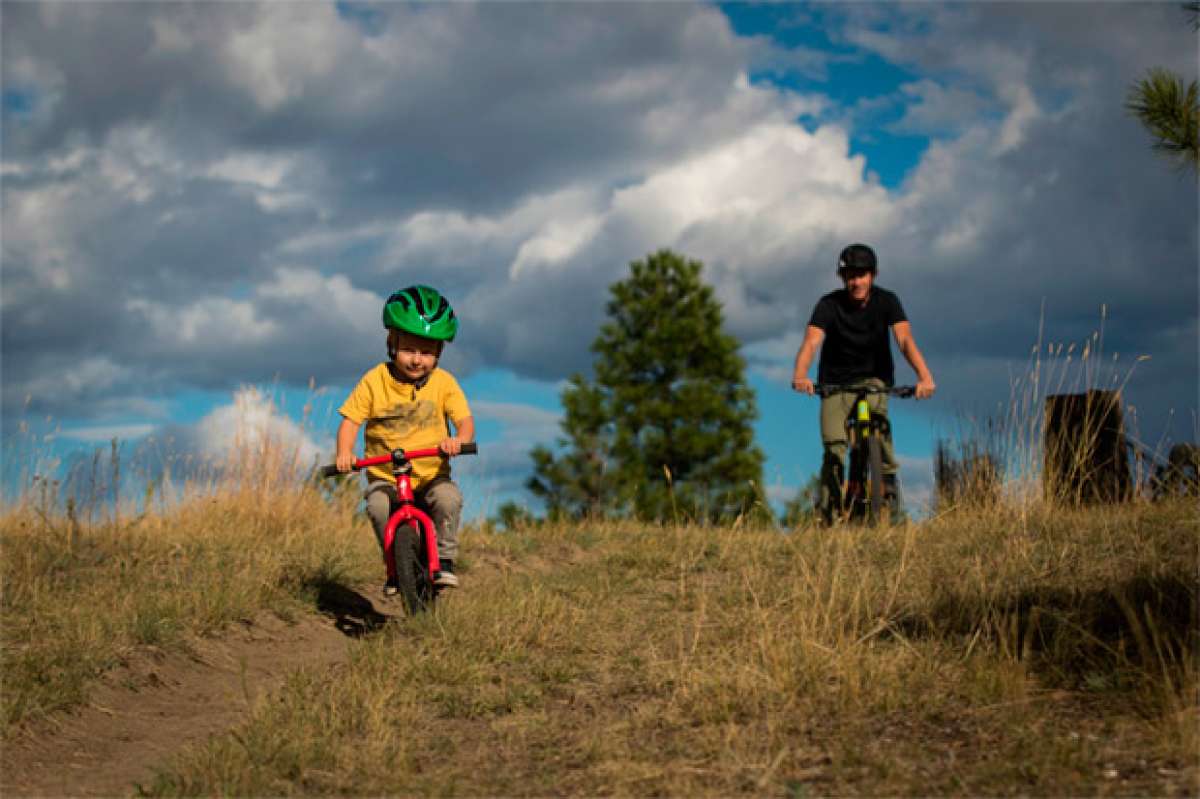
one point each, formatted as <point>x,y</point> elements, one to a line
<point>851,327</point>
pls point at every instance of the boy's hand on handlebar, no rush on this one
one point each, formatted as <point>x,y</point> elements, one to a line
<point>451,446</point>
<point>803,385</point>
<point>925,388</point>
<point>345,461</point>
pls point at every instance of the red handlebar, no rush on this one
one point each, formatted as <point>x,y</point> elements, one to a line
<point>331,470</point>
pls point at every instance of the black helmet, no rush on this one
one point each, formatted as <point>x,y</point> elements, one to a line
<point>858,256</point>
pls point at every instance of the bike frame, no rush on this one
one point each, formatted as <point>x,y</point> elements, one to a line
<point>859,428</point>
<point>861,425</point>
<point>407,511</point>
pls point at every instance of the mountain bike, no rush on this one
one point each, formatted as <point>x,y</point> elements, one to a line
<point>410,549</point>
<point>862,494</point>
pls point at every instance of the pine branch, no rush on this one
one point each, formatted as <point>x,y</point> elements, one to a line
<point>1169,111</point>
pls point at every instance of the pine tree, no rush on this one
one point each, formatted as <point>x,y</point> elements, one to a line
<point>573,485</point>
<point>664,430</point>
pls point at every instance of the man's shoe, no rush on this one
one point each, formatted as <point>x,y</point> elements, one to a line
<point>445,577</point>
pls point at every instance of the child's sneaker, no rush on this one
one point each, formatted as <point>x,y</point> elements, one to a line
<point>391,587</point>
<point>445,577</point>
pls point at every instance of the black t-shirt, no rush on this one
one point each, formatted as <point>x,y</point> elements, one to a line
<point>857,340</point>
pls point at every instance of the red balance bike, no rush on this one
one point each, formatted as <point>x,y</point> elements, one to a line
<point>410,549</point>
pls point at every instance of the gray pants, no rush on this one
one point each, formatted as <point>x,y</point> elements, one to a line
<point>834,411</point>
<point>440,498</point>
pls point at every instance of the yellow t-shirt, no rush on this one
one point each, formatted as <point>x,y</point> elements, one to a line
<point>398,414</point>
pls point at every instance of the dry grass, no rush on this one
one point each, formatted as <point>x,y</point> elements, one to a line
<point>1015,649</point>
<point>85,587</point>
<point>1044,653</point>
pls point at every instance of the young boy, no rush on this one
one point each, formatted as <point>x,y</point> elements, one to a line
<point>406,402</point>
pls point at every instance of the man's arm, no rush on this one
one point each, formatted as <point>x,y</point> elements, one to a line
<point>908,348</point>
<point>813,337</point>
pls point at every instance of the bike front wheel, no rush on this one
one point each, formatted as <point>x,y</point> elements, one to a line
<point>416,589</point>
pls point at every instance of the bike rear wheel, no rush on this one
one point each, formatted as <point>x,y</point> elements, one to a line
<point>415,587</point>
<point>877,506</point>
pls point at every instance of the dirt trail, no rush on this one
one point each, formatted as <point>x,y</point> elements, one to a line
<point>158,704</point>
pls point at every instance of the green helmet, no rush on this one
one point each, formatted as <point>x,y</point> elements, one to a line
<point>422,311</point>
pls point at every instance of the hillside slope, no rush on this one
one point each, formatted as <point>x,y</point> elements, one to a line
<point>1009,653</point>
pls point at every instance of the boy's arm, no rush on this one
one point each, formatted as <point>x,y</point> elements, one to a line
<point>813,337</point>
<point>347,435</point>
<point>908,348</point>
<point>464,433</point>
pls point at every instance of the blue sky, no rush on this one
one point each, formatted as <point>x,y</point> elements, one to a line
<point>205,204</point>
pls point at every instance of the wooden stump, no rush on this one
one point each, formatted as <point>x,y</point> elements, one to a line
<point>1086,458</point>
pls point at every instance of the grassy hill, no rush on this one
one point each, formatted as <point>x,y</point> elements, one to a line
<point>1015,651</point>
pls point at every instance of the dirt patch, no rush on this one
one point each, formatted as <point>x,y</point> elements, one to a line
<point>159,703</point>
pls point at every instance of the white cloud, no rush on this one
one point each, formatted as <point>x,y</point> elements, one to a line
<point>251,424</point>
<point>101,433</point>
<point>1023,112</point>
<point>312,298</point>
<point>795,178</point>
<point>522,423</point>
<point>263,171</point>
<point>932,108</point>
<point>554,243</point>
<point>283,50</point>
<point>211,323</point>
<point>86,377</point>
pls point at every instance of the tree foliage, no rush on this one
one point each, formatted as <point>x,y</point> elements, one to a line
<point>663,431</point>
<point>573,484</point>
<point>510,516</point>
<point>1169,109</point>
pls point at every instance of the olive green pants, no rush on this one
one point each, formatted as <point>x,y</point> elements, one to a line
<point>834,410</point>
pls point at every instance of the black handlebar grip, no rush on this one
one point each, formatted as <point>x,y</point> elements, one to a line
<point>330,471</point>
<point>469,448</point>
